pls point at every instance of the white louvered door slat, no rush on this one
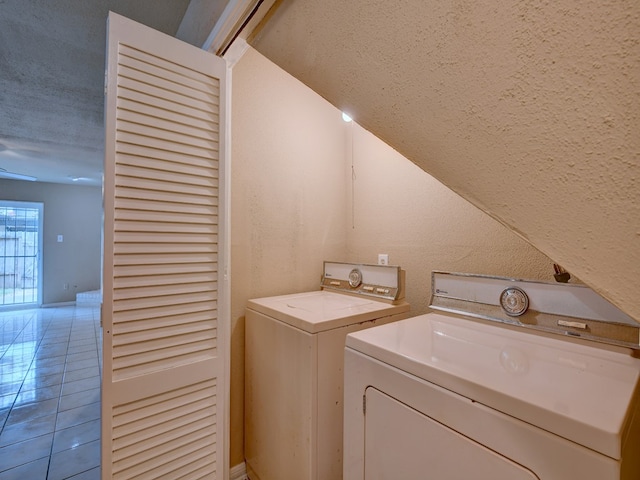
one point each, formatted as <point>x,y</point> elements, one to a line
<point>164,373</point>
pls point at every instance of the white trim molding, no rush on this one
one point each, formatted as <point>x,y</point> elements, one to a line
<point>238,472</point>
<point>240,18</point>
<point>229,24</point>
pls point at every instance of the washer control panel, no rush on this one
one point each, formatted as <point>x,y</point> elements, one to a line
<point>355,278</point>
<point>381,281</point>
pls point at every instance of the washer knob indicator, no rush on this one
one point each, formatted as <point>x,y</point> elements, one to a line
<point>514,301</point>
<point>355,278</point>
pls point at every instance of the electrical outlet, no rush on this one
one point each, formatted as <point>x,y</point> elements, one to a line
<point>66,286</point>
<point>383,259</point>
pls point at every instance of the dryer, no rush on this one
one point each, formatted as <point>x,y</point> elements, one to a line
<point>294,357</point>
<point>477,392</point>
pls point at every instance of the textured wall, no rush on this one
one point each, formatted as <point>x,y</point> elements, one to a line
<point>424,226</point>
<point>76,213</point>
<point>288,192</point>
<point>527,109</point>
<point>291,208</point>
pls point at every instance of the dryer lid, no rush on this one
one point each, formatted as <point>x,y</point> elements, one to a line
<point>581,392</point>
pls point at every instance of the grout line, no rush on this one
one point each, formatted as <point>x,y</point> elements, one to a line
<point>81,325</point>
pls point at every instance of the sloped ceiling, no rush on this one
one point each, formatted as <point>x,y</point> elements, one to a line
<point>530,110</point>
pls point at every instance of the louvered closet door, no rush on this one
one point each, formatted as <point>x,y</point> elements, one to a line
<point>164,369</point>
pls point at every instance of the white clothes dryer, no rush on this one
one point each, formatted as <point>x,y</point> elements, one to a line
<point>448,396</point>
<point>294,358</point>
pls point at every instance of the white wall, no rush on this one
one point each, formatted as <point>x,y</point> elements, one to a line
<point>76,213</point>
<point>288,194</point>
<point>291,207</point>
<point>424,226</point>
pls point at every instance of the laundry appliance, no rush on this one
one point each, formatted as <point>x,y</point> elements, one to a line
<point>294,357</point>
<point>508,380</point>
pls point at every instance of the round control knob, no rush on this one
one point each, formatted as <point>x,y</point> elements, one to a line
<point>355,278</point>
<point>514,301</point>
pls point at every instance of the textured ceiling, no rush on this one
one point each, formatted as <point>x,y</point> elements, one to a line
<point>527,109</point>
<point>51,82</point>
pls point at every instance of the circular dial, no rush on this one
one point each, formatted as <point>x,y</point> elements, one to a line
<point>355,278</point>
<point>514,301</point>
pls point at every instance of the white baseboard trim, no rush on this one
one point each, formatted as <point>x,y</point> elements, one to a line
<point>238,472</point>
<point>58,304</point>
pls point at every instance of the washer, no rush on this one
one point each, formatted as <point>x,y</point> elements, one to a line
<point>477,392</point>
<point>294,357</point>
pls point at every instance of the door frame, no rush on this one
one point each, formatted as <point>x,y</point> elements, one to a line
<point>39,261</point>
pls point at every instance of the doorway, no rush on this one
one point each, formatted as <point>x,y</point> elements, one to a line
<point>20,254</point>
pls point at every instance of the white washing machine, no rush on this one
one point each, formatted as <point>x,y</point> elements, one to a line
<point>294,357</point>
<point>483,391</point>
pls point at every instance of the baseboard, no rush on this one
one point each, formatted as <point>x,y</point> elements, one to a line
<point>238,472</point>
<point>58,304</point>
<point>18,306</point>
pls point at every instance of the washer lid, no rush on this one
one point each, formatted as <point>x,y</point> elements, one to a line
<point>579,392</point>
<point>323,310</point>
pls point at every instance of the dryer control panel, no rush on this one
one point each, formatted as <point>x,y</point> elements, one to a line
<point>384,282</point>
<point>567,309</point>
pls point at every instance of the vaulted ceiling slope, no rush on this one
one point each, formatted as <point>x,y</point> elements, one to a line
<point>530,110</point>
<point>52,78</point>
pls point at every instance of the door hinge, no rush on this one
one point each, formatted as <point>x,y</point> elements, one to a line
<point>364,404</point>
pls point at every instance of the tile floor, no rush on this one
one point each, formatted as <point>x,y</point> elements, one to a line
<point>50,368</point>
